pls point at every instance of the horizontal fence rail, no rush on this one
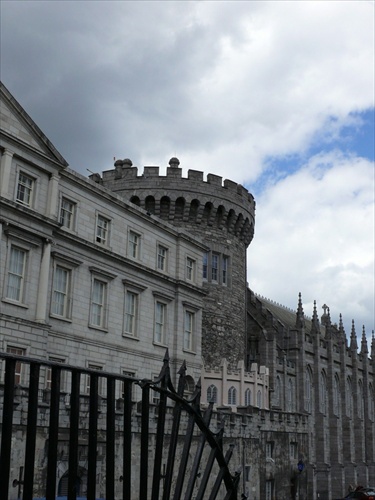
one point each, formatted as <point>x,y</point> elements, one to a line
<point>76,432</point>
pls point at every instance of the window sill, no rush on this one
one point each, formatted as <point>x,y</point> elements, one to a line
<point>130,336</point>
<point>100,328</point>
<point>15,303</point>
<point>61,318</point>
<point>189,351</point>
<point>159,344</point>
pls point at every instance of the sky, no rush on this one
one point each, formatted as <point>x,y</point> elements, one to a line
<point>275,95</point>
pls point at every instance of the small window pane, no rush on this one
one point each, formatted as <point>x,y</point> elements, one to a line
<point>159,322</point>
<point>24,189</point>
<point>131,305</point>
<point>98,303</point>
<point>16,274</point>
<point>60,298</point>
<point>102,228</point>
<point>67,213</point>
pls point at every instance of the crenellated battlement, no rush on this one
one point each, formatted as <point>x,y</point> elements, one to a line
<point>124,170</point>
<point>183,200</point>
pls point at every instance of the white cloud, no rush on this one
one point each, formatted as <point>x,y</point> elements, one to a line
<point>315,235</point>
<point>225,86</point>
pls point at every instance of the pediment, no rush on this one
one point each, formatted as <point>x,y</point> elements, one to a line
<point>17,124</point>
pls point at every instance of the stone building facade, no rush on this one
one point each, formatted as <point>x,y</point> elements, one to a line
<point>222,216</point>
<point>86,277</point>
<point>315,371</point>
<point>109,271</point>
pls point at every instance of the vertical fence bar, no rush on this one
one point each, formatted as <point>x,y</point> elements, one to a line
<point>174,435</point>
<point>110,437</point>
<point>93,439</point>
<point>73,435</point>
<point>159,446</point>
<point>53,433</point>
<point>144,442</point>
<point>32,416</point>
<point>127,456</point>
<point>6,438</point>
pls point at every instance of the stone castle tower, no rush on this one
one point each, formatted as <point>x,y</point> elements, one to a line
<point>221,215</point>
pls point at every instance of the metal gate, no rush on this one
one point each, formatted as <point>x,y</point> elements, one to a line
<point>175,431</point>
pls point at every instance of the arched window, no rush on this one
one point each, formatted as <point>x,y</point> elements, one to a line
<point>259,399</point>
<point>277,395</point>
<point>179,208</point>
<point>323,392</point>
<point>308,391</point>
<point>290,396</point>
<point>150,204</point>
<point>136,200</point>
<point>62,489</point>
<point>193,212</point>
<point>212,394</point>
<point>349,398</point>
<point>360,399</point>
<point>336,396</point>
<point>207,212</point>
<point>189,385</point>
<point>371,407</point>
<point>247,397</point>
<point>165,206</point>
<point>220,216</point>
<point>232,396</point>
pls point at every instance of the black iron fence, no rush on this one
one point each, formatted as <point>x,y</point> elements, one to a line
<point>152,452</point>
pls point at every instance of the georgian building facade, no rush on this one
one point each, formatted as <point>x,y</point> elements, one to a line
<point>87,278</point>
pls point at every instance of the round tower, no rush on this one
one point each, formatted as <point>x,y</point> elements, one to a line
<point>221,214</point>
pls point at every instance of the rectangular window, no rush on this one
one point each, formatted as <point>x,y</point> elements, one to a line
<point>188,330</point>
<point>160,316</point>
<point>269,449</point>
<point>67,213</point>
<point>269,489</point>
<point>293,450</point>
<point>162,258</point>
<point>19,369</point>
<point>214,267</point>
<point>247,473</point>
<point>16,274</point>
<point>190,269</point>
<point>133,245</point>
<point>224,270</point>
<point>61,292</point>
<point>49,373</point>
<point>25,189</point>
<point>205,266</point>
<point>98,303</point>
<point>131,312</point>
<point>102,230</point>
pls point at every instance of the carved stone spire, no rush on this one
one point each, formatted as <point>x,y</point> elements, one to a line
<point>315,327</point>
<point>300,319</point>
<point>364,346</point>
<point>342,331</point>
<point>353,338</point>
